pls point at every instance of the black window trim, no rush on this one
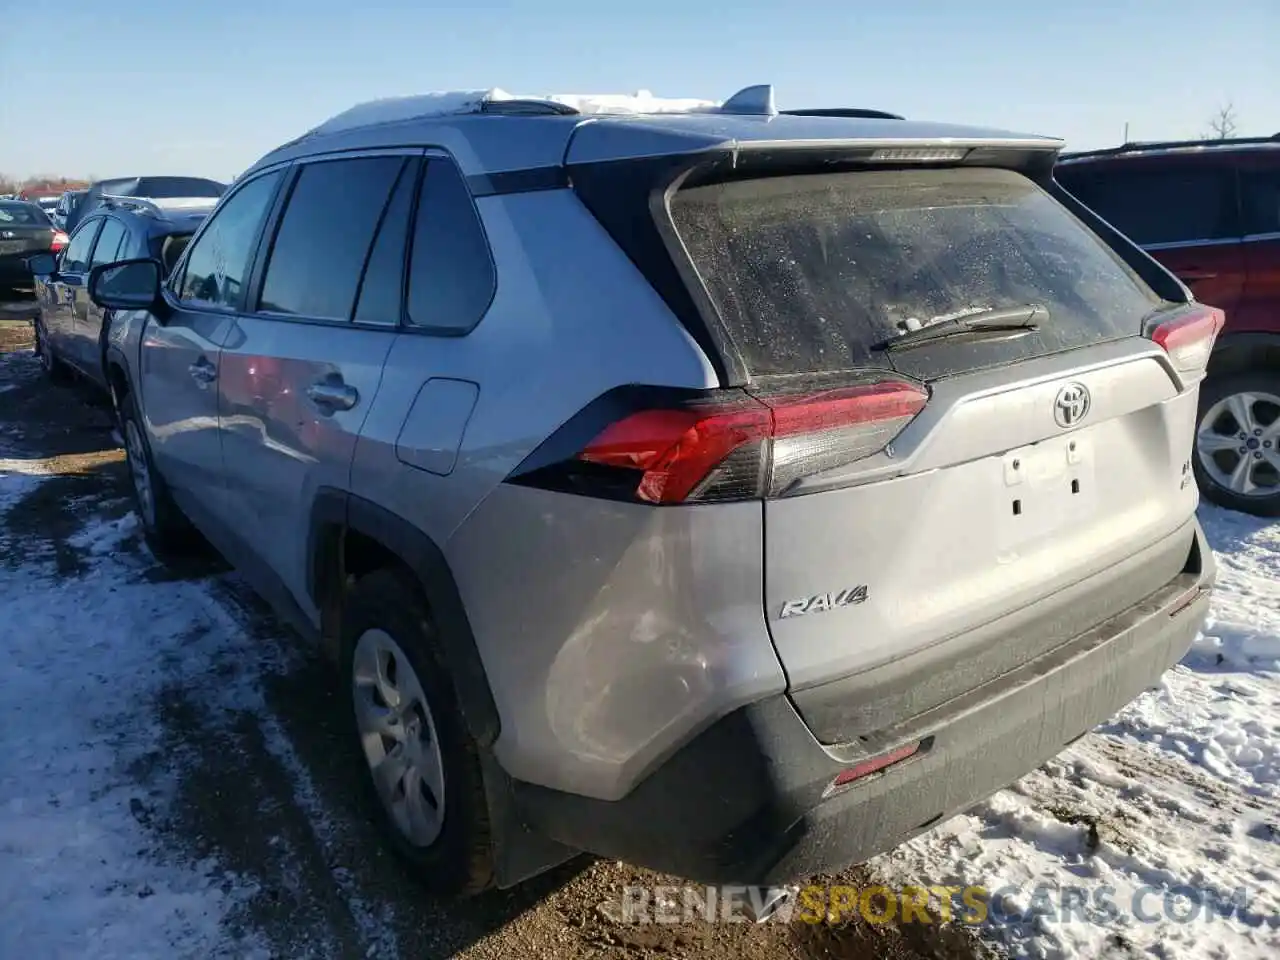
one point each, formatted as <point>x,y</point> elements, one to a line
<point>93,252</point>
<point>262,257</point>
<point>177,276</point>
<point>440,155</point>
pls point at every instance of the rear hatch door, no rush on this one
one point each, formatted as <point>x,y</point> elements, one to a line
<point>1045,455</point>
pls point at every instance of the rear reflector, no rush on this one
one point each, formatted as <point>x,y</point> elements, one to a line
<point>1188,339</point>
<point>742,447</point>
<point>867,767</point>
<point>59,241</point>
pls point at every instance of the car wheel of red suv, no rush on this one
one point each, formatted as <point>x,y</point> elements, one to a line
<point>1237,460</point>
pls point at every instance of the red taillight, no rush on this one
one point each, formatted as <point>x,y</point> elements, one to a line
<point>1188,339</point>
<point>676,449</point>
<point>867,767</point>
<point>752,446</point>
<point>59,241</point>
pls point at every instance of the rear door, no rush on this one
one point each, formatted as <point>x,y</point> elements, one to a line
<point>299,374</point>
<point>1185,213</point>
<point>1260,202</point>
<point>919,493</point>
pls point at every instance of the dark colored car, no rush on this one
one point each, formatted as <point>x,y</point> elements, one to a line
<point>66,204</point>
<point>71,331</point>
<point>1210,212</point>
<point>150,188</point>
<point>24,230</point>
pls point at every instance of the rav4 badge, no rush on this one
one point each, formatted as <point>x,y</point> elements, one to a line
<point>823,602</point>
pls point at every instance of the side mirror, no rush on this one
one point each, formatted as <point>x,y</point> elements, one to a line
<point>128,285</point>
<point>44,264</point>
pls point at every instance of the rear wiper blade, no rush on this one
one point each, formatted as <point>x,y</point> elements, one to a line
<point>1028,318</point>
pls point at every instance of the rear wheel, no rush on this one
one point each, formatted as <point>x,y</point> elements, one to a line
<point>53,367</point>
<point>422,776</point>
<point>1237,459</point>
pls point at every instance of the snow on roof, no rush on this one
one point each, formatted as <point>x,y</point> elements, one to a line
<point>453,102</point>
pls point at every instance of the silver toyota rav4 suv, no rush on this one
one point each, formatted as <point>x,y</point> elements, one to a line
<point>732,492</point>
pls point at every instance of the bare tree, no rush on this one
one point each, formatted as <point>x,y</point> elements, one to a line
<point>1222,125</point>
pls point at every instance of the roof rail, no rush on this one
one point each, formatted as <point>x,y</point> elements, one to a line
<point>527,108</point>
<point>861,113</point>
<point>160,208</point>
<point>1156,145</point>
<point>750,101</point>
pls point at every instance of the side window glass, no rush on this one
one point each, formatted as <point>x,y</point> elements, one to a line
<point>382,287</point>
<point>109,240</point>
<point>1173,206</point>
<point>75,259</point>
<point>325,236</point>
<point>218,265</point>
<point>1260,190</point>
<point>451,274</point>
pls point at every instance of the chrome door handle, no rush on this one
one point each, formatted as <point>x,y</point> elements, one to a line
<point>203,371</point>
<point>330,395</point>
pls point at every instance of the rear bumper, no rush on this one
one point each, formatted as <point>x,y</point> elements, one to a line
<point>744,801</point>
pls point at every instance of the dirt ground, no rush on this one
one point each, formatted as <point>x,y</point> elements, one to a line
<point>318,866</point>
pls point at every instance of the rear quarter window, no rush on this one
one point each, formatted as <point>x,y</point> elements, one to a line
<point>811,273</point>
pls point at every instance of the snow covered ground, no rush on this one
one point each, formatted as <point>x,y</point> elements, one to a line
<point>85,658</point>
<point>1179,794</point>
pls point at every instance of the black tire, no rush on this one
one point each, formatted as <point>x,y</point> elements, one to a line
<point>1212,392</point>
<point>54,368</point>
<point>459,862</point>
<point>168,532</point>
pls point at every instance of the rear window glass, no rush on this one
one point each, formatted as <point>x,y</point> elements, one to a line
<point>812,272</point>
<point>24,214</point>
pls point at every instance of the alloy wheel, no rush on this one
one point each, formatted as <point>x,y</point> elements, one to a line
<point>398,737</point>
<point>1238,443</point>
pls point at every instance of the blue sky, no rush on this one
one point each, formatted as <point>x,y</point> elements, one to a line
<point>189,86</point>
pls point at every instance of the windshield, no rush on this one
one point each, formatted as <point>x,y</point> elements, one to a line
<point>812,272</point>
<point>22,214</point>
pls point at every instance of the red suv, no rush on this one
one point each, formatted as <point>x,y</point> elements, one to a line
<point>1210,212</point>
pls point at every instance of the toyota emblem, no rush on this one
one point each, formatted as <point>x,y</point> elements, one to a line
<point>1071,405</point>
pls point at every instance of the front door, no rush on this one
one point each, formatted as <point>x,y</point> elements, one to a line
<point>86,320</point>
<point>180,356</point>
<point>299,375</point>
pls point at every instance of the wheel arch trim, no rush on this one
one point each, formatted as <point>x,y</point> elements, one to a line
<point>333,513</point>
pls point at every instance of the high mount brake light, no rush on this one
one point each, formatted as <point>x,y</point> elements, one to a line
<point>1188,339</point>
<point>919,154</point>
<point>745,447</point>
